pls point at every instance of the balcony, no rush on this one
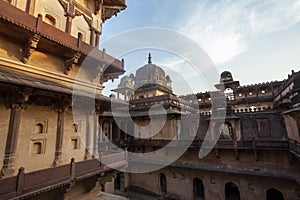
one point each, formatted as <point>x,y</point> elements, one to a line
<point>21,26</point>
<point>28,184</point>
<point>224,144</point>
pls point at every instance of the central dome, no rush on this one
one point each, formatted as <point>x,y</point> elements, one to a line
<point>151,74</point>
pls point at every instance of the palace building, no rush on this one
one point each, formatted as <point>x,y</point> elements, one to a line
<point>61,138</point>
<point>255,157</point>
<point>44,151</point>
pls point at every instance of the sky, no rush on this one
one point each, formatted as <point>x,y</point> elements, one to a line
<point>256,40</point>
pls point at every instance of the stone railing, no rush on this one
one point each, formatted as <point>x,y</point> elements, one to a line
<point>11,14</point>
<point>292,146</point>
<point>27,184</point>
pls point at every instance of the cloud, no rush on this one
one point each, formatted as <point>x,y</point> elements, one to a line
<point>225,28</point>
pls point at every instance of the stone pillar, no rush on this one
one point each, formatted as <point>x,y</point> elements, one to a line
<point>59,137</point>
<point>110,130</point>
<point>96,134</point>
<point>69,19</point>
<point>89,134</point>
<point>70,14</point>
<point>61,106</point>
<point>30,4</point>
<point>97,40</point>
<point>11,140</point>
<point>100,131</point>
<point>92,38</point>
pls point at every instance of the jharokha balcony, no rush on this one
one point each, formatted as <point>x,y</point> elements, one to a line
<point>24,26</point>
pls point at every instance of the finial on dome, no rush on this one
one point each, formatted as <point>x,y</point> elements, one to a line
<point>149,59</point>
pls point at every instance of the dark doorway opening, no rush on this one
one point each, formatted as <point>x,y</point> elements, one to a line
<point>232,191</point>
<point>198,189</point>
<point>273,194</point>
<point>118,182</point>
<point>163,183</point>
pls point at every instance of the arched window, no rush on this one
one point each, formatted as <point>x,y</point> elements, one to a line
<point>229,94</point>
<point>198,189</point>
<point>232,191</point>
<point>274,194</point>
<point>226,131</point>
<point>163,183</point>
<point>36,148</point>
<point>50,20</point>
<point>117,182</point>
<point>39,128</point>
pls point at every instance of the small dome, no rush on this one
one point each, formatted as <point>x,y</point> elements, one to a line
<point>151,74</point>
<point>126,81</point>
<point>226,76</point>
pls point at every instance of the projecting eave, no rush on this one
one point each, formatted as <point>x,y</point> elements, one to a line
<point>294,110</point>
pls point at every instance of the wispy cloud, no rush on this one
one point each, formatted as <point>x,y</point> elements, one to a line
<point>225,28</point>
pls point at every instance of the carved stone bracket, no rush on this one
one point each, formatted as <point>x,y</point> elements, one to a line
<point>30,47</point>
<point>97,6</point>
<point>108,12</point>
<point>111,76</point>
<point>71,61</point>
<point>17,99</point>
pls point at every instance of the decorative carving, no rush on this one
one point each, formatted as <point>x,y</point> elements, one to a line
<point>97,6</point>
<point>64,5</point>
<point>71,61</point>
<point>107,13</point>
<point>88,21</point>
<point>16,103</point>
<point>212,180</point>
<point>30,47</point>
<point>111,76</point>
<point>61,106</point>
<point>217,153</point>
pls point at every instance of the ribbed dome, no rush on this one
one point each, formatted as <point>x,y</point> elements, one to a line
<point>151,74</point>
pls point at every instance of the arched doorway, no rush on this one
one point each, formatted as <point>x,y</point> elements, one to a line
<point>274,194</point>
<point>117,182</point>
<point>198,189</point>
<point>163,183</point>
<point>232,191</point>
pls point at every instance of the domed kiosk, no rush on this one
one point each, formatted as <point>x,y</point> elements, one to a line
<point>148,81</point>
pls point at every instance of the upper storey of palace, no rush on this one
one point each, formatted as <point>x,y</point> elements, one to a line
<point>50,40</point>
<point>73,16</point>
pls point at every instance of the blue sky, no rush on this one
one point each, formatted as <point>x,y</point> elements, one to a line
<point>256,40</point>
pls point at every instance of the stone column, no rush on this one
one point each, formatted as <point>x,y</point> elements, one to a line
<point>92,38</point>
<point>96,134</point>
<point>61,106</point>
<point>110,130</point>
<point>69,19</point>
<point>88,136</point>
<point>11,141</point>
<point>97,40</point>
<point>100,131</point>
<point>59,137</point>
<point>30,4</point>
